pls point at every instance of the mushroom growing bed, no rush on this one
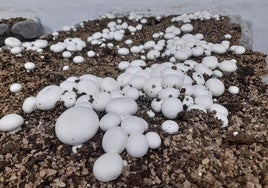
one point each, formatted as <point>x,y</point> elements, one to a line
<point>134,101</point>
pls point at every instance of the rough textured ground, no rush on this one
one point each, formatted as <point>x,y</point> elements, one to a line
<point>200,155</point>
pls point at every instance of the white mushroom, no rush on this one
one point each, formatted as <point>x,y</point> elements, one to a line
<point>76,125</point>
<point>114,140</point>
<point>204,101</point>
<point>137,145</point>
<point>15,88</point>
<point>11,123</point>
<point>122,105</point>
<point>219,108</point>
<point>109,120</point>
<point>78,59</point>
<point>170,126</point>
<point>134,125</point>
<point>233,90</point>
<point>153,139</point>
<point>108,167</point>
<point>216,86</point>
<point>12,42</point>
<point>171,107</point>
<point>28,105</point>
<point>29,66</point>
<point>123,51</point>
<point>47,98</point>
<point>187,28</point>
<point>16,50</point>
<point>152,86</point>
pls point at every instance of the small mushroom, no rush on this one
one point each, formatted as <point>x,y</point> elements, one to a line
<point>108,167</point>
<point>137,145</point>
<point>170,126</point>
<point>11,123</point>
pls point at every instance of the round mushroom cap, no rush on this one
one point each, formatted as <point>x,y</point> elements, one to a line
<point>11,122</point>
<point>122,105</point>
<point>134,125</point>
<point>108,167</point>
<point>171,107</point>
<point>170,126</point>
<point>47,98</point>
<point>114,140</point>
<point>137,145</point>
<point>110,120</point>
<point>216,86</point>
<point>12,42</point>
<point>77,125</point>
<point>153,139</point>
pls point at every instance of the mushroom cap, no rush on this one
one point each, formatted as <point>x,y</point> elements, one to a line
<point>110,120</point>
<point>28,105</point>
<point>228,66</point>
<point>134,125</point>
<point>47,98</point>
<point>11,122</point>
<point>15,88</point>
<point>219,108</point>
<point>76,125</point>
<point>122,105</point>
<point>153,139</point>
<point>171,107</point>
<point>114,140</point>
<point>204,101</point>
<point>108,167</point>
<point>137,145</point>
<point>210,61</point>
<point>233,90</point>
<point>170,126</point>
<point>12,42</point>
<point>216,86</point>
<point>152,86</point>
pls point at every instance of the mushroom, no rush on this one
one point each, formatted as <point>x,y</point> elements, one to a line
<point>66,54</point>
<point>153,139</point>
<point>138,62</point>
<point>170,126</point>
<point>218,48</point>
<point>114,140</point>
<point>108,167</point>
<point>101,100</point>
<point>152,86</point>
<point>219,108</point>
<point>15,88</point>
<point>215,86</point>
<point>123,65</point>
<point>78,59</point>
<point>233,90</point>
<point>228,66</point>
<point>123,51</point>
<point>12,42</point>
<point>204,101</point>
<point>16,50</point>
<point>171,107</point>
<point>137,145</point>
<point>91,53</point>
<point>186,28</point>
<point>28,105</point>
<point>134,125</point>
<point>11,123</point>
<point>47,98</point>
<point>76,125</point>
<point>122,105</point>
<point>110,120</point>
<point>29,66</point>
